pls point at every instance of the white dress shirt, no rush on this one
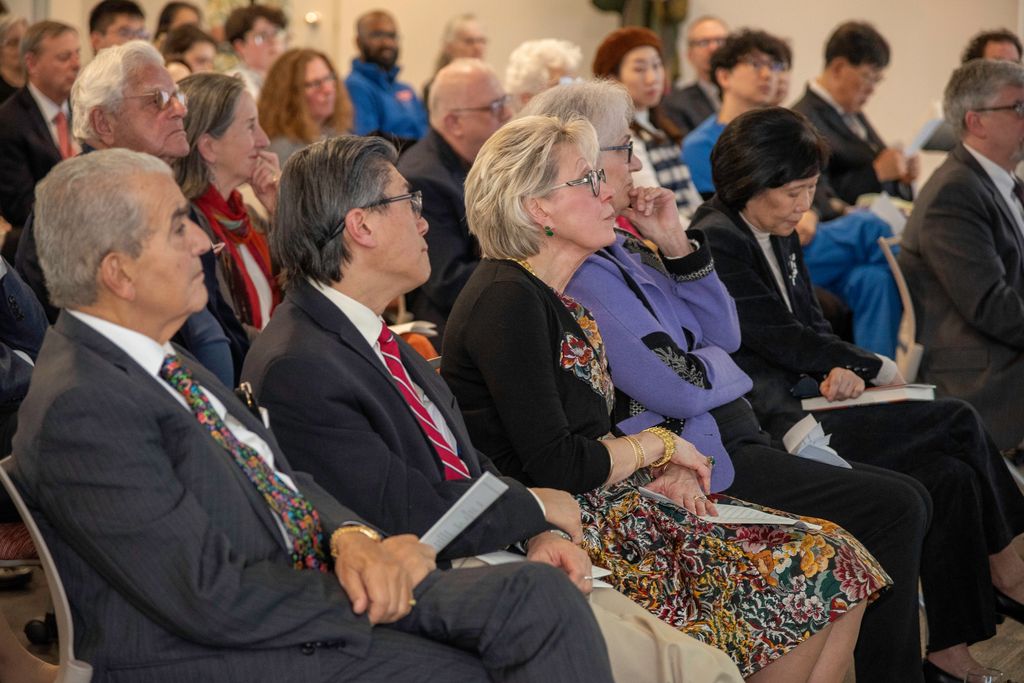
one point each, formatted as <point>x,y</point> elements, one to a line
<point>1004,181</point>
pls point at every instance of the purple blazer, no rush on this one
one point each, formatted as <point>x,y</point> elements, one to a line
<point>668,327</point>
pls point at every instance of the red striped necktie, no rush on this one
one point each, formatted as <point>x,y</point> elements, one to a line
<point>454,468</point>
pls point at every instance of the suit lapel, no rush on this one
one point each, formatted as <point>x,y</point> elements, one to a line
<point>324,313</point>
<point>966,158</point>
<point>39,125</point>
<point>85,335</point>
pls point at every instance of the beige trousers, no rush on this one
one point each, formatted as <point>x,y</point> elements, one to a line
<point>644,649</point>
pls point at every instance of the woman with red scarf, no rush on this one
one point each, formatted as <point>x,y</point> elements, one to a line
<point>228,149</point>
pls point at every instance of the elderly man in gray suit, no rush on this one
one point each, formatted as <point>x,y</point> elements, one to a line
<point>963,251</point>
<point>189,547</point>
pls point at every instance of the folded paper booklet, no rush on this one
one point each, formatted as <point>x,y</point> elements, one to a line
<point>886,209</point>
<point>737,514</point>
<point>424,327</point>
<point>505,557</point>
<point>872,395</point>
<point>808,440</point>
<point>466,509</point>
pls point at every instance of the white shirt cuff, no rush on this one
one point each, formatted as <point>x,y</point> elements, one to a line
<point>887,373</point>
<point>543,510</point>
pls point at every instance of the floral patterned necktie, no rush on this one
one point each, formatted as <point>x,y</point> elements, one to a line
<point>301,522</point>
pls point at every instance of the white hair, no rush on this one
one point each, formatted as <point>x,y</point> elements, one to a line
<point>530,65</point>
<point>101,83</point>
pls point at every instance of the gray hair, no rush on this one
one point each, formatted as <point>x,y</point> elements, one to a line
<point>976,84</point>
<point>8,22</point>
<point>518,162</point>
<point>212,101</point>
<point>606,104</point>
<point>86,208</point>
<point>102,82</point>
<point>530,65</point>
<point>319,186</point>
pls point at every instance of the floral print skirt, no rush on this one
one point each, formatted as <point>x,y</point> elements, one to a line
<point>754,591</point>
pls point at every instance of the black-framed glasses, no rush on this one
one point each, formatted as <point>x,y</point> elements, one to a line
<point>594,178</point>
<point>1017,108</point>
<point>496,107</point>
<point>627,148</point>
<point>161,99</point>
<point>268,37</point>
<point>707,42</point>
<point>316,84</point>
<point>415,198</point>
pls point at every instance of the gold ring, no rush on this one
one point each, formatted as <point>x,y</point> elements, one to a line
<point>412,602</point>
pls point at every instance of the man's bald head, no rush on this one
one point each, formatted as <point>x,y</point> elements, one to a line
<point>467,104</point>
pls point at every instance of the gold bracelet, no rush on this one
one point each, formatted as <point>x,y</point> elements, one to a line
<point>638,451</point>
<point>668,439</point>
<point>350,529</point>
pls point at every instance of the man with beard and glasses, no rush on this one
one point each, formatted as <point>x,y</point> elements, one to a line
<point>384,105</point>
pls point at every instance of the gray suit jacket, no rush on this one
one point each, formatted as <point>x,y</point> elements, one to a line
<point>963,257</point>
<point>173,563</point>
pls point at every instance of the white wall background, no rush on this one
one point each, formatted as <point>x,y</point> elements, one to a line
<point>926,36</point>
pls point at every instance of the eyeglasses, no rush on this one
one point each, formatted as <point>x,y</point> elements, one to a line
<point>133,34</point>
<point>415,198</point>
<point>318,83</point>
<point>161,99</point>
<point>496,107</point>
<point>267,37</point>
<point>594,178</point>
<point>707,42</point>
<point>1017,108</point>
<point>627,148</point>
<point>772,65</point>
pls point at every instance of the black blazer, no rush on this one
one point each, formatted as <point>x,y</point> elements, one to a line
<point>27,153</point>
<point>688,107</point>
<point>778,346</point>
<point>173,562</point>
<point>432,167</point>
<point>963,256</point>
<point>850,172</point>
<point>339,415</point>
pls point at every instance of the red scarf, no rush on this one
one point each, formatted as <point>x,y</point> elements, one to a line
<point>229,221</point>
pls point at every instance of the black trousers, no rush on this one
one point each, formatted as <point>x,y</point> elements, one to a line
<point>978,507</point>
<point>886,511</point>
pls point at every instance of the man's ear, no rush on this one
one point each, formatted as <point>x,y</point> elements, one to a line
<point>361,228</point>
<point>116,275</point>
<point>101,123</point>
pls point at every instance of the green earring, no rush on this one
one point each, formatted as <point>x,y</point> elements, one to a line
<point>548,231</point>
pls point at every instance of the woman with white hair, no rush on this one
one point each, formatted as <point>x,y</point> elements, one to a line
<point>527,365</point>
<point>537,65</point>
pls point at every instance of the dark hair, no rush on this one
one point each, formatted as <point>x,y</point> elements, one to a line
<point>763,149</point>
<point>976,48</point>
<point>859,43</point>
<point>163,22</point>
<point>180,40</point>
<point>240,21</point>
<point>740,44</point>
<point>104,13</point>
<point>320,184</point>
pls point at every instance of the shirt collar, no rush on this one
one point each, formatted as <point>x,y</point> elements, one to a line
<point>366,321</point>
<point>820,91</point>
<point>47,107</point>
<point>1003,179</point>
<point>145,351</point>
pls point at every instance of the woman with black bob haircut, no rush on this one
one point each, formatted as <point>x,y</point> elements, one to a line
<point>765,167</point>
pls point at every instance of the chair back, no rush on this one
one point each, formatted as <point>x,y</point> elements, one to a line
<point>908,350</point>
<point>71,670</point>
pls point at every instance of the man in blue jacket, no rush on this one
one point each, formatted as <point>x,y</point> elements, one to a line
<point>383,104</point>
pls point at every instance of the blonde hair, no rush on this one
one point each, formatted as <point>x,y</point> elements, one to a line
<point>282,106</point>
<point>518,162</point>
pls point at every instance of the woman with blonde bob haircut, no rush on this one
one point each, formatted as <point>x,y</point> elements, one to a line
<point>303,101</point>
<point>527,365</point>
